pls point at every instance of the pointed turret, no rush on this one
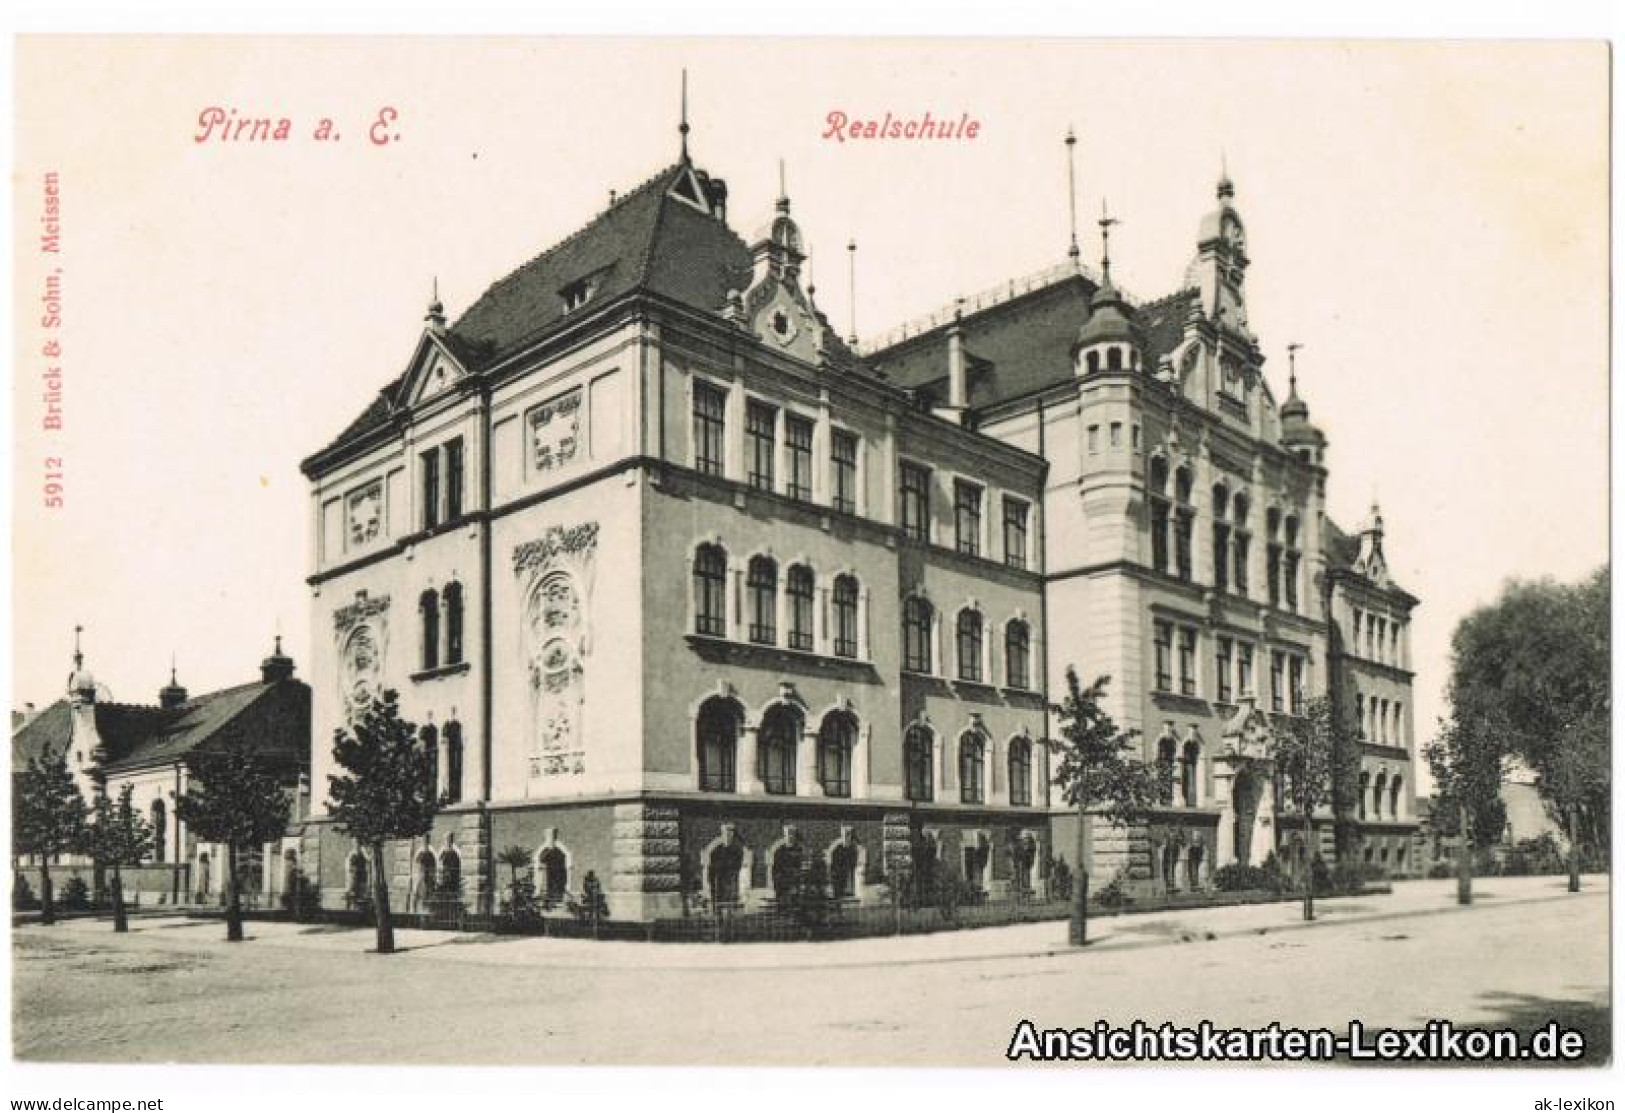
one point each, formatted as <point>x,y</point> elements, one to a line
<point>1109,339</point>
<point>171,694</point>
<point>277,666</point>
<point>1297,432</point>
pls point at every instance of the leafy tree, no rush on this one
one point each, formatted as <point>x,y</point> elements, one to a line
<point>1530,680</point>
<point>47,819</point>
<point>1099,771</point>
<point>118,835</point>
<point>386,793</point>
<point>1467,774</point>
<point>1312,753</point>
<point>231,800</point>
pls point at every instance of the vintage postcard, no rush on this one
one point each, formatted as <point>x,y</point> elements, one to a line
<point>989,553</point>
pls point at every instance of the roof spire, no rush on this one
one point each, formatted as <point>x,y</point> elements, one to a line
<point>435,318</point>
<point>1227,188</point>
<point>1072,193</point>
<point>852,292</point>
<point>783,203</point>
<point>1106,221</point>
<point>1292,367</point>
<point>78,656</point>
<point>682,127</point>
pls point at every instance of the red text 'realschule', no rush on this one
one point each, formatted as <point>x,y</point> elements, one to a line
<point>841,127</point>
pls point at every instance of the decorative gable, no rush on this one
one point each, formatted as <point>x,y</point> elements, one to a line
<point>433,369</point>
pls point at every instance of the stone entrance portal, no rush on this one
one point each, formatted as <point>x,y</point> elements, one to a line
<point>1242,778</point>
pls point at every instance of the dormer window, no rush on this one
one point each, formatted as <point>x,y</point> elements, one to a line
<point>577,294</point>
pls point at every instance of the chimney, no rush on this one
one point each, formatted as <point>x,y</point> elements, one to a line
<point>957,386</point>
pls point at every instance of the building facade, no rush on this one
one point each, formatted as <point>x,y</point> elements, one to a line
<point>149,748</point>
<point>682,590</point>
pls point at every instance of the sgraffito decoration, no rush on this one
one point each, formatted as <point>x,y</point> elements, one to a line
<point>556,570</point>
<point>555,431</point>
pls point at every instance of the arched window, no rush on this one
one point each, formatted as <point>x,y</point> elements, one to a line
<point>1289,569</point>
<point>431,747</point>
<point>1221,537</point>
<point>1365,785</point>
<point>1167,759</point>
<point>205,876</point>
<point>360,890</point>
<point>718,742</point>
<point>1114,358</point>
<point>1393,797</point>
<point>1190,766</point>
<point>451,874</point>
<point>454,762</point>
<point>722,871</point>
<point>160,830</point>
<point>1272,561</point>
<point>1158,484</point>
<point>429,608</point>
<point>785,870</point>
<point>836,738</point>
<point>427,877</point>
<point>554,874</point>
<point>1184,521</point>
<point>846,616</point>
<point>917,780</point>
<point>968,632</point>
<point>1378,790</point>
<point>1093,360</point>
<point>763,583</point>
<point>972,767</point>
<point>916,634</point>
<point>1018,655</point>
<point>452,599</point>
<point>710,591</point>
<point>776,747</point>
<point>1021,773</point>
<point>799,587</point>
<point>1242,544</point>
<point>843,871</point>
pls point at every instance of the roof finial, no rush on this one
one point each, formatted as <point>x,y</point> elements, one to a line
<point>1292,365</point>
<point>852,291</point>
<point>1227,188</point>
<point>783,203</point>
<point>78,657</point>
<point>171,666</point>
<point>1072,193</point>
<point>1106,221</point>
<point>682,127</point>
<point>436,316</point>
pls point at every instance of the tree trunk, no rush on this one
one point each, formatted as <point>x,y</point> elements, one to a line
<point>380,902</point>
<point>1464,863</point>
<point>1079,930</point>
<point>1574,849</point>
<point>234,898</point>
<point>1309,857</point>
<point>47,910</point>
<point>121,921</point>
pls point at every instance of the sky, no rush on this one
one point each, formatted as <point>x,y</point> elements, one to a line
<point>1428,220</point>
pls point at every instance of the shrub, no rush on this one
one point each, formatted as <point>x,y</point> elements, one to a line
<point>1535,856</point>
<point>1059,876</point>
<point>75,895</point>
<point>1113,894</point>
<point>22,894</point>
<point>591,908</point>
<point>1238,877</point>
<point>304,900</point>
<point>1440,870</point>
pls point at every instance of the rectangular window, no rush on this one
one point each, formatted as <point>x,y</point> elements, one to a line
<point>1164,638</point>
<point>915,489</point>
<point>1243,542</point>
<point>1159,535</point>
<point>798,442</point>
<point>1295,684</point>
<point>1117,434</point>
<point>1277,681</point>
<point>1359,713</point>
<point>454,479</point>
<point>1015,533</point>
<point>1244,669</point>
<point>1182,544</point>
<point>1290,581</point>
<point>760,419</point>
<point>431,488</point>
<point>843,457</point>
<point>1187,661</point>
<point>1221,663</point>
<point>1399,724</point>
<point>1094,438</point>
<point>1272,561</point>
<point>967,517</point>
<point>710,406</point>
<point>1221,557</point>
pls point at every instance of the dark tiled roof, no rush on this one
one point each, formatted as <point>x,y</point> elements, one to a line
<point>1341,550</point>
<point>648,241</point>
<point>1024,344</point>
<point>274,717</point>
<point>46,735</point>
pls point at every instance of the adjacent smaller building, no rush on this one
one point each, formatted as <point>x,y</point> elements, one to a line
<point>148,746</point>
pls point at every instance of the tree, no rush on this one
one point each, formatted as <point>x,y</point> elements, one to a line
<point>1312,753</point>
<point>1467,773</point>
<point>1099,772</point>
<point>1530,679</point>
<point>47,819</point>
<point>387,792</point>
<point>231,799</point>
<point>118,836</point>
<point>521,902</point>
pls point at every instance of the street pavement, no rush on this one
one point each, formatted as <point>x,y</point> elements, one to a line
<point>172,990</point>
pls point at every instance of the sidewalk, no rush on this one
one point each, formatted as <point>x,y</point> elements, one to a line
<point>1107,933</point>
